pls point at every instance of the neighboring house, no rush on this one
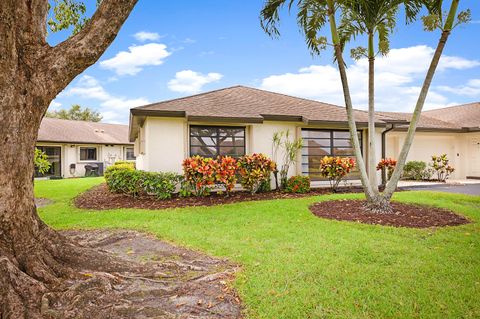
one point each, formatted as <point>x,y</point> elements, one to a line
<point>241,120</point>
<point>70,145</point>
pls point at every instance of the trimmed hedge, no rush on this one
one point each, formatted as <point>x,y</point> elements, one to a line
<point>124,179</point>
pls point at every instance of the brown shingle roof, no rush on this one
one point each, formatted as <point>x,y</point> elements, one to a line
<point>250,104</point>
<point>426,122</point>
<point>466,115</point>
<point>67,131</point>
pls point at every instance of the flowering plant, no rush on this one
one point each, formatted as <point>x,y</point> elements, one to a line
<point>441,167</point>
<point>225,172</point>
<point>335,169</point>
<point>388,164</point>
<point>255,169</point>
<point>199,173</point>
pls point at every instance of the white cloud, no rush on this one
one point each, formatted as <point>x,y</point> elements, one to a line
<point>397,80</point>
<point>189,41</point>
<point>54,106</point>
<point>188,81</point>
<point>147,36</point>
<point>132,61</point>
<point>470,89</point>
<point>114,109</point>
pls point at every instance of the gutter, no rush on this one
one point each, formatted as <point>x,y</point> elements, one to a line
<point>384,142</point>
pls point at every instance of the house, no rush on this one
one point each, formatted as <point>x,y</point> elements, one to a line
<point>241,120</point>
<point>71,145</point>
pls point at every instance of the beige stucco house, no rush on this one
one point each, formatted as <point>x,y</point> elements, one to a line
<point>71,145</point>
<point>241,120</point>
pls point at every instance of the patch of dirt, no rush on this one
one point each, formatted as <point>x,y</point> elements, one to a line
<point>404,215</point>
<point>100,198</point>
<point>42,202</point>
<point>164,281</point>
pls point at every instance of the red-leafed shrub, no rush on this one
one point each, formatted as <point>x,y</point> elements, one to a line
<point>199,174</point>
<point>335,169</point>
<point>388,164</point>
<point>226,172</point>
<point>298,184</point>
<point>255,169</point>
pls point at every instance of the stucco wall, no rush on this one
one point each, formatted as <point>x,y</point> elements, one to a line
<point>165,144</point>
<point>459,148</point>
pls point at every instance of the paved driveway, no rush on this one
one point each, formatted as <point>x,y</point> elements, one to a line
<point>470,189</point>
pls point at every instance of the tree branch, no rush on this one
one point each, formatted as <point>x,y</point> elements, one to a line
<point>71,57</point>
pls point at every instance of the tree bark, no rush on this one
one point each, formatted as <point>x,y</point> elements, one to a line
<point>393,182</point>
<point>372,156</point>
<point>33,257</point>
<point>369,192</point>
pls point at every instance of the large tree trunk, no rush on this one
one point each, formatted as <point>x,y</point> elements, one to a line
<point>33,257</point>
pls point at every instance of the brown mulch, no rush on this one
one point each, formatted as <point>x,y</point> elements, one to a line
<point>404,215</point>
<point>162,281</point>
<point>100,198</point>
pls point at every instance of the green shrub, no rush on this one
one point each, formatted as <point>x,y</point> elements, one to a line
<point>162,185</point>
<point>130,163</point>
<point>265,186</point>
<point>416,170</point>
<point>298,184</point>
<point>125,180</point>
<point>117,167</point>
<point>41,162</point>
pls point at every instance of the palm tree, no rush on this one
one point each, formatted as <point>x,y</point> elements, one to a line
<point>371,18</point>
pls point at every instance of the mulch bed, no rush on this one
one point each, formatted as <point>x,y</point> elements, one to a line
<point>100,198</point>
<point>404,215</point>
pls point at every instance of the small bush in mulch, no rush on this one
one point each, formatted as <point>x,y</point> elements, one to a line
<point>404,215</point>
<point>100,197</point>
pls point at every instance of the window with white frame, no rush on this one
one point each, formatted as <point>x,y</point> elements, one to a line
<point>129,153</point>
<point>88,153</point>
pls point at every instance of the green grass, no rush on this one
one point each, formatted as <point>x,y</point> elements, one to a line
<point>295,265</point>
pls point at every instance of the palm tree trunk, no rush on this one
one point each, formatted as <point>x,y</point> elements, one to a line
<point>372,157</point>
<point>393,182</point>
<point>369,192</point>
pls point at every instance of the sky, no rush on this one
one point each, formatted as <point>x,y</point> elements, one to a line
<point>171,49</point>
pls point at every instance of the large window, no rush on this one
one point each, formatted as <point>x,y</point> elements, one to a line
<point>54,156</point>
<point>320,143</point>
<point>212,141</point>
<point>129,154</point>
<point>88,153</point>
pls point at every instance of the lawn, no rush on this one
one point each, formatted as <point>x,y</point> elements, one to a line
<point>295,265</point>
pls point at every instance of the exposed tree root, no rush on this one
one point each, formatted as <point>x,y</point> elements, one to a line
<point>119,275</point>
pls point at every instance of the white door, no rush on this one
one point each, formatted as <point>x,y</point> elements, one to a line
<point>474,159</point>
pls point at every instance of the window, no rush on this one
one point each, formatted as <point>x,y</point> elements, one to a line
<point>213,141</point>
<point>54,156</point>
<point>129,154</point>
<point>320,143</point>
<point>88,153</point>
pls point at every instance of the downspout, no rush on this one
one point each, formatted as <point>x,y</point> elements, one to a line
<point>384,142</point>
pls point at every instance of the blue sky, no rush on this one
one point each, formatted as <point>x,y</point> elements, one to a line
<point>169,49</point>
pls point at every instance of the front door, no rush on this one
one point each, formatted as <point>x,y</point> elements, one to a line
<point>54,154</point>
<point>474,160</point>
